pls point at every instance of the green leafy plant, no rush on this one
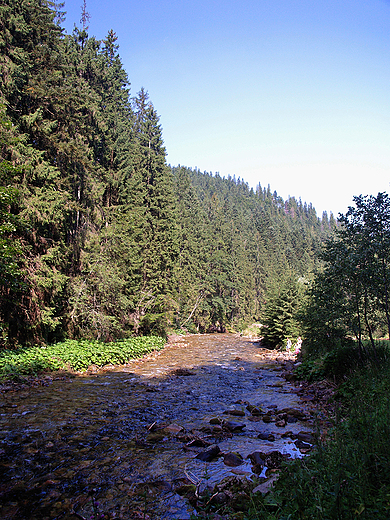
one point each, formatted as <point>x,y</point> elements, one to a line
<point>75,355</point>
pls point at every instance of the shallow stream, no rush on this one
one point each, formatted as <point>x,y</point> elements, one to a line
<point>120,442</point>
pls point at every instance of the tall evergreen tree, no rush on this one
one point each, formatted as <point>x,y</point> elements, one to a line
<point>159,233</point>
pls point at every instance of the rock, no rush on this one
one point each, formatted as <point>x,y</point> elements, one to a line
<point>232,459</point>
<point>198,442</point>
<point>233,426</point>
<point>293,412</point>
<point>219,498</point>
<point>155,437</point>
<point>281,424</point>
<point>279,384</point>
<point>254,418</point>
<point>215,420</point>
<point>267,418</point>
<point>254,410</point>
<point>257,469</point>
<point>291,419</point>
<point>302,445</point>
<point>187,490</point>
<point>266,437</point>
<point>274,459</point>
<point>237,471</point>
<point>237,413</point>
<point>257,458</point>
<point>173,428</point>
<point>289,434</point>
<point>209,455</point>
<point>183,372</point>
<point>266,486</point>
<point>306,437</point>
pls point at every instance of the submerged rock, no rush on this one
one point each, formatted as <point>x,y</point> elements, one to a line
<point>173,428</point>
<point>266,437</point>
<point>237,413</point>
<point>209,455</point>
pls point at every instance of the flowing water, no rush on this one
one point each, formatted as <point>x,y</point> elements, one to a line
<point>127,438</point>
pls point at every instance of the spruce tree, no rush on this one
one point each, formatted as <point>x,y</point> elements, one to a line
<point>158,240</point>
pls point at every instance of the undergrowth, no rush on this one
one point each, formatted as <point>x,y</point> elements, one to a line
<point>74,355</point>
<point>339,363</point>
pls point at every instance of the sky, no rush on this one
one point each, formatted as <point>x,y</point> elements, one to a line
<point>294,94</point>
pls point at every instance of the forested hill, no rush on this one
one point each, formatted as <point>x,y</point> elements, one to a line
<point>98,236</point>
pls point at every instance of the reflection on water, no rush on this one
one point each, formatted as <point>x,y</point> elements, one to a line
<point>101,436</point>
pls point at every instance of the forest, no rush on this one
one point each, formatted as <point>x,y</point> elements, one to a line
<point>101,238</point>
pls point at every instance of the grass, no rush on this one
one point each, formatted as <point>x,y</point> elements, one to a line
<point>74,355</point>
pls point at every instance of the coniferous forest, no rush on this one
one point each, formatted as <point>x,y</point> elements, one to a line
<point>100,237</point>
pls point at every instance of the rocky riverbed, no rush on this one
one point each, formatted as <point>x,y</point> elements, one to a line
<point>148,440</point>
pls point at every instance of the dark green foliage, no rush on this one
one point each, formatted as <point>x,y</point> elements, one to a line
<point>114,242</point>
<point>280,321</point>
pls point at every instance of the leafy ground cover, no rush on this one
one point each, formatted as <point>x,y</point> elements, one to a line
<point>74,355</point>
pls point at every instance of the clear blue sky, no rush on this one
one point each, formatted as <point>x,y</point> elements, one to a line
<point>291,93</point>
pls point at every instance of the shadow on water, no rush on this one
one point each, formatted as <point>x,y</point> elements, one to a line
<point>127,438</point>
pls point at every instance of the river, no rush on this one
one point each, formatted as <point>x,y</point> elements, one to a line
<point>121,442</point>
